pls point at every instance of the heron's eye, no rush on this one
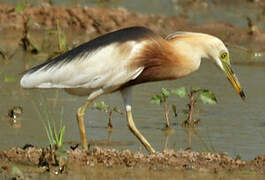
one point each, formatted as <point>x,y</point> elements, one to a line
<point>224,55</point>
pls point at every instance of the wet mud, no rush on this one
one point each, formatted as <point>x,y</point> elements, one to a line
<point>100,20</point>
<point>45,160</point>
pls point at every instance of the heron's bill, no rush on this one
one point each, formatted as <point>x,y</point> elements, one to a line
<point>233,80</point>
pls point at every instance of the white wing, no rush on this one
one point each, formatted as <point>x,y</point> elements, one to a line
<point>105,68</point>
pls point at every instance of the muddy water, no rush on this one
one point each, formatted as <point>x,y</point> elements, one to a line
<point>135,173</point>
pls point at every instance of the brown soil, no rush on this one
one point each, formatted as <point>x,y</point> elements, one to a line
<point>100,21</point>
<point>98,157</point>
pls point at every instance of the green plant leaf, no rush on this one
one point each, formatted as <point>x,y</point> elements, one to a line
<point>61,136</point>
<point>196,89</point>
<point>156,99</point>
<point>102,106</point>
<point>165,93</point>
<point>208,97</point>
<point>174,109</point>
<point>181,92</point>
<point>117,110</point>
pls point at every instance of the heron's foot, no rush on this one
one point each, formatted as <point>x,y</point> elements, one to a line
<point>86,147</point>
<point>150,149</point>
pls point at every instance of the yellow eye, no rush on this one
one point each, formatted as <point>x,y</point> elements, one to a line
<point>223,55</point>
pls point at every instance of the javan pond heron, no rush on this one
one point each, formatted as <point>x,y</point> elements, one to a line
<point>121,59</point>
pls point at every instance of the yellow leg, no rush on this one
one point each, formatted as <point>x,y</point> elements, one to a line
<point>135,131</point>
<point>80,120</point>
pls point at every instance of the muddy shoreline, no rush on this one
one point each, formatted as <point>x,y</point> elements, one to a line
<point>97,21</point>
<point>112,158</point>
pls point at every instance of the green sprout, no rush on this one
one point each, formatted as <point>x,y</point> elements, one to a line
<point>162,99</point>
<point>195,94</point>
<point>61,36</point>
<point>102,106</point>
<point>55,136</point>
<point>62,41</point>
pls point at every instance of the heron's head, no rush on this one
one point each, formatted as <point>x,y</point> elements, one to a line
<point>209,47</point>
<point>218,52</point>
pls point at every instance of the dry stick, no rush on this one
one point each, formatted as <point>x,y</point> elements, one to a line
<point>166,114</point>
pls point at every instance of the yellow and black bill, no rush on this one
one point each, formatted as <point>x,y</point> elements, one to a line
<point>233,80</point>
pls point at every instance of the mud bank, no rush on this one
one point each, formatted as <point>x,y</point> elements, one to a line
<point>98,157</point>
<point>100,20</point>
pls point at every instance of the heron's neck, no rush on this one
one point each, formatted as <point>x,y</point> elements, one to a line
<point>189,55</point>
<point>165,61</point>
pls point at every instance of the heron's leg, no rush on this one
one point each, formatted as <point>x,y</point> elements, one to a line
<point>127,94</point>
<point>80,117</point>
<point>80,120</point>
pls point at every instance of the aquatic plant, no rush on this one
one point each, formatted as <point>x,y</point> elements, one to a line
<point>61,37</point>
<point>161,99</point>
<point>102,106</point>
<point>55,136</point>
<point>195,94</point>
<point>61,41</point>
